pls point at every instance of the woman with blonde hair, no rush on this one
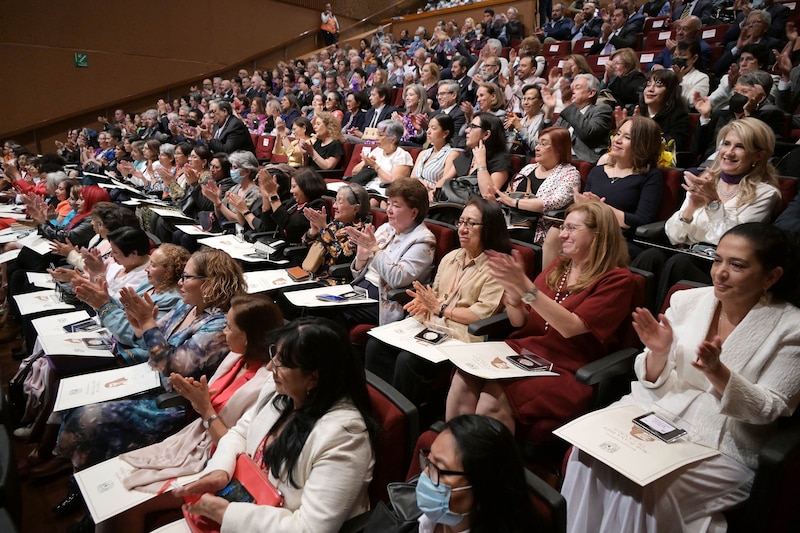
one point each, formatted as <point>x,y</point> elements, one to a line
<point>623,77</point>
<point>739,187</point>
<point>570,315</point>
<point>326,152</point>
<point>416,102</point>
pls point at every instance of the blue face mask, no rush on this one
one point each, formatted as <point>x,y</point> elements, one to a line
<point>315,82</point>
<point>235,176</point>
<point>416,38</point>
<point>435,501</point>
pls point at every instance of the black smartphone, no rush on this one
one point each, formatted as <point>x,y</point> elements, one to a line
<point>235,492</point>
<point>658,427</point>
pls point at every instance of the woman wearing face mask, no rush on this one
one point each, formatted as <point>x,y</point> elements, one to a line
<point>238,203</point>
<point>751,58</point>
<point>685,65</point>
<point>473,479</point>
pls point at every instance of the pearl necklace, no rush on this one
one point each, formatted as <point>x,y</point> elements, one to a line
<point>727,195</point>
<point>559,298</point>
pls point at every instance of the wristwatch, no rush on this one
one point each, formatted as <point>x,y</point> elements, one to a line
<point>530,295</point>
<point>207,421</point>
<point>274,198</point>
<point>713,205</point>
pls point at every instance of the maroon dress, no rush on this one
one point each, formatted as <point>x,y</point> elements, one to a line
<point>544,403</point>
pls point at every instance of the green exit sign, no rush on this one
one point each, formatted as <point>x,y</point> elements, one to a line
<point>81,60</point>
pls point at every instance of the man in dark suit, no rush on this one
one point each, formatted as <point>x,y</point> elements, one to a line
<point>754,31</point>
<point>588,22</point>
<point>615,35</point>
<point>459,70</point>
<point>378,98</point>
<point>589,124</point>
<point>230,133</point>
<point>687,29</point>
<point>699,8</point>
<point>447,96</point>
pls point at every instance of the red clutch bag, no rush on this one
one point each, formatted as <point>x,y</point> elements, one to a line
<point>248,484</point>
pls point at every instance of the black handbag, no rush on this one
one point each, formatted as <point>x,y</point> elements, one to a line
<point>364,176</point>
<point>458,190</point>
<point>520,217</point>
<point>404,514</point>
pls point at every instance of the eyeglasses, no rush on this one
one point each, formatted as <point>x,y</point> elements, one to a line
<point>471,125</point>
<point>468,223</point>
<point>434,472</point>
<point>186,276</point>
<point>570,228</point>
<point>273,357</point>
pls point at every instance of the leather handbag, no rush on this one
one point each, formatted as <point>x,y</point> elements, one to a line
<point>248,484</point>
<point>458,190</point>
<point>314,258</point>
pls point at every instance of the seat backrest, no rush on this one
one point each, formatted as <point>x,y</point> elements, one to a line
<point>598,63</point>
<point>556,50</point>
<point>656,40</point>
<point>643,296</point>
<point>446,239</point>
<point>264,147</point>
<point>355,157</point>
<point>378,216</point>
<point>584,168</point>
<point>582,46</point>
<point>714,34</point>
<point>788,187</point>
<point>672,194</point>
<point>413,152</point>
<point>682,285</point>
<point>399,422</point>
<point>531,254</point>
<point>655,24</point>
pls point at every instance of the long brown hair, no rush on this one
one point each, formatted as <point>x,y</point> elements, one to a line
<point>608,249</point>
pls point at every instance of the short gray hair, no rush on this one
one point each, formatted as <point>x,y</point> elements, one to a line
<point>152,113</point>
<point>54,178</point>
<point>244,159</point>
<point>765,16</point>
<point>168,149</point>
<point>451,86</point>
<point>497,45</point>
<point>757,77</point>
<point>392,128</point>
<point>592,83</point>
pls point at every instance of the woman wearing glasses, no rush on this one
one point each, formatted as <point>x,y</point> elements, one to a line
<point>189,340</point>
<point>463,292</point>
<point>570,315</point>
<point>473,479</point>
<point>314,438</point>
<point>525,129</point>
<point>486,156</point>
<point>221,401</point>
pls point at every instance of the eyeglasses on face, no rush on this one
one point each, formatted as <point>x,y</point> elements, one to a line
<point>434,472</point>
<point>469,224</point>
<point>571,228</point>
<point>274,358</point>
<point>186,276</point>
<point>471,126</point>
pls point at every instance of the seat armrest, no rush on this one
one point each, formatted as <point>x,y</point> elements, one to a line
<point>613,365</point>
<point>340,272</point>
<point>333,174</point>
<point>253,236</point>
<point>551,498</point>
<point>399,295</point>
<point>298,252</point>
<point>171,399</point>
<point>653,231</point>
<point>496,326</point>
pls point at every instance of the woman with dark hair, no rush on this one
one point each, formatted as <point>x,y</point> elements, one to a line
<point>350,209</point>
<point>525,130</point>
<point>724,359</point>
<point>662,101</point>
<point>302,130</point>
<point>64,210</point>
<point>429,166</point>
<point>307,189</point>
<point>290,109</point>
<point>630,182</point>
<point>257,117</point>
<point>79,231</point>
<point>394,255</point>
<point>486,157</point>
<point>220,401</point>
<point>315,438</point>
<point>463,292</point>
<point>188,340</point>
<point>547,184</point>
<point>333,105</point>
<point>489,99</point>
<point>687,65</point>
<point>570,315</point>
<point>356,103</point>
<point>473,479</point>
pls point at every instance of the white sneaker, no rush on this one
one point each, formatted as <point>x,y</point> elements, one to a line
<point>24,432</point>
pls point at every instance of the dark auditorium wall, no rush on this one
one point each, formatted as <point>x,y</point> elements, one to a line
<point>132,47</point>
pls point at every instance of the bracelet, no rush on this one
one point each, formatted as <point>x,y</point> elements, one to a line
<point>245,213</point>
<point>480,168</point>
<point>516,206</point>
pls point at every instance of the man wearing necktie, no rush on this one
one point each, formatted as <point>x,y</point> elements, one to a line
<point>615,35</point>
